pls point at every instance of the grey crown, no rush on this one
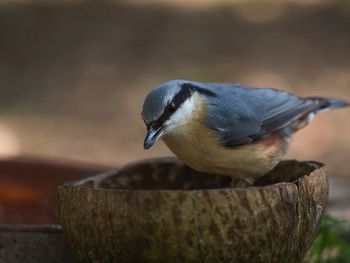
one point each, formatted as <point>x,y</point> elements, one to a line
<point>157,99</point>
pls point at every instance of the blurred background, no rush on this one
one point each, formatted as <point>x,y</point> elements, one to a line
<point>73,74</point>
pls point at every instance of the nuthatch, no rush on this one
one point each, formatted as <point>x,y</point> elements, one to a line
<point>227,129</point>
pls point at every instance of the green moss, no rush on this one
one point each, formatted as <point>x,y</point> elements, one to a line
<point>332,244</point>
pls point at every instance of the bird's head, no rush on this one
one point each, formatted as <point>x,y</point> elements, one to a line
<point>167,108</point>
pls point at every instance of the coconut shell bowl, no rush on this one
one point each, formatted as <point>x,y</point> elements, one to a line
<point>160,210</point>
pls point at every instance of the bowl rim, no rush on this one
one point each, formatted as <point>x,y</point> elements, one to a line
<point>319,167</point>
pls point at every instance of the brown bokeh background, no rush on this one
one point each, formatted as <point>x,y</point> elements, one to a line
<point>73,74</point>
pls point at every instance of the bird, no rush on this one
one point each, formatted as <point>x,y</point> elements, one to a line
<point>228,129</point>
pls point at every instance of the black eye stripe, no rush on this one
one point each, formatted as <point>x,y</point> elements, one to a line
<point>175,103</point>
<point>185,92</point>
<point>180,98</point>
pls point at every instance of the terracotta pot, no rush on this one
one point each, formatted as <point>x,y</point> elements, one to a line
<point>162,211</point>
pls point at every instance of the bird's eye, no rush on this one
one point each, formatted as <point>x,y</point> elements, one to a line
<point>171,107</point>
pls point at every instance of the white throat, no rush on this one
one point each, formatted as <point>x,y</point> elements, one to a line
<point>183,115</point>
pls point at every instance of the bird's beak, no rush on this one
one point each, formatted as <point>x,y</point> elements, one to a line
<point>153,134</point>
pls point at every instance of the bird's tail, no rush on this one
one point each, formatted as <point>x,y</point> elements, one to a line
<point>329,103</point>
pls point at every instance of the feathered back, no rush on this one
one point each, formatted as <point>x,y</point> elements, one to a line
<point>241,115</point>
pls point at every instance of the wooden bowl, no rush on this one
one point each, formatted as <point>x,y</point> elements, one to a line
<point>162,211</point>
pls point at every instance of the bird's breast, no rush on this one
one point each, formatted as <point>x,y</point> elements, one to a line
<point>200,148</point>
<point>206,155</point>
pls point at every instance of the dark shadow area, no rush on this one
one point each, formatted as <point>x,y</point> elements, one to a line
<point>170,174</point>
<point>288,171</point>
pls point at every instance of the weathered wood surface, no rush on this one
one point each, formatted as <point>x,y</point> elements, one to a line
<point>161,211</point>
<point>34,244</point>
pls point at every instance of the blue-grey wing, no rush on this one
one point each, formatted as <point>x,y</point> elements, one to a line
<point>241,115</point>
